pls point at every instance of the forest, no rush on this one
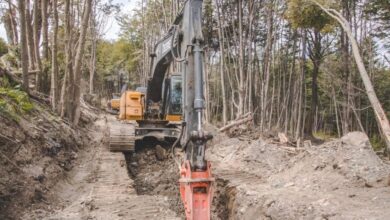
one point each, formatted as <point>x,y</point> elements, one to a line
<point>288,62</point>
<point>139,109</point>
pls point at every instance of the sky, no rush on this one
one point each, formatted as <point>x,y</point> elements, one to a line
<point>112,29</point>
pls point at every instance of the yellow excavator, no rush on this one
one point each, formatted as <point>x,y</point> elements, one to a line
<point>143,124</point>
<point>170,109</point>
<point>114,104</point>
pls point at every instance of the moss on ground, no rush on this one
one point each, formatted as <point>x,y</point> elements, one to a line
<point>14,103</point>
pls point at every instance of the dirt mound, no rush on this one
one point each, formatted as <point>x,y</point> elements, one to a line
<point>36,150</point>
<point>340,179</point>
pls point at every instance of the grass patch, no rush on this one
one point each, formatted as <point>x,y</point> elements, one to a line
<point>377,142</point>
<point>325,136</point>
<point>14,103</point>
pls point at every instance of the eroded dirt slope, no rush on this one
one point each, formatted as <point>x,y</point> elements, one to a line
<point>342,179</point>
<point>36,151</point>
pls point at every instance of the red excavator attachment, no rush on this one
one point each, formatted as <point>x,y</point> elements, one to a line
<point>196,189</point>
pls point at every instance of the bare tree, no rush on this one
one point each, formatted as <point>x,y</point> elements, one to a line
<point>78,59</point>
<point>380,114</point>
<point>54,69</point>
<point>23,44</point>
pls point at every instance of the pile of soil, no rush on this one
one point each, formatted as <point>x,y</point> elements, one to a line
<point>36,151</point>
<point>341,179</point>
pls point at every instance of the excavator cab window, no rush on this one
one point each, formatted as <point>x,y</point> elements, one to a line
<point>175,105</point>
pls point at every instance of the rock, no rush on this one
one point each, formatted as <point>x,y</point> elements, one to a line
<point>289,184</point>
<point>40,178</point>
<point>161,153</point>
<point>73,155</point>
<point>358,139</point>
<point>38,195</point>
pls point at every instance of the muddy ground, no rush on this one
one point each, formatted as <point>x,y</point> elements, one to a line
<point>256,178</point>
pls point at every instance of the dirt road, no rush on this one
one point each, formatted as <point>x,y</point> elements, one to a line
<point>99,187</point>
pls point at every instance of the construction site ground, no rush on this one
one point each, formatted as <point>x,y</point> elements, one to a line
<point>256,178</point>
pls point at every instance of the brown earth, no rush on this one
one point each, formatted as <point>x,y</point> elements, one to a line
<point>36,151</point>
<point>341,179</point>
<point>60,172</point>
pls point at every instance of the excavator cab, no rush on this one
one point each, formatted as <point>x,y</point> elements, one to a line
<point>172,104</point>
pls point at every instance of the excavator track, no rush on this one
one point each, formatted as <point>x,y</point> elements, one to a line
<point>122,137</point>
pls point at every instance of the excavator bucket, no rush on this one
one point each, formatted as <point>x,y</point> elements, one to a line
<point>196,190</point>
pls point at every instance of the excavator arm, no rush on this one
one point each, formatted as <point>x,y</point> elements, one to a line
<point>184,44</point>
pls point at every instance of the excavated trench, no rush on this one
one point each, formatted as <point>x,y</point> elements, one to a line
<point>155,172</point>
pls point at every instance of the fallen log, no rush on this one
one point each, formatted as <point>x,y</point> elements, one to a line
<point>40,97</point>
<point>237,122</point>
<point>12,78</point>
<point>243,116</point>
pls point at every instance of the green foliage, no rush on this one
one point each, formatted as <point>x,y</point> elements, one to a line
<point>377,142</point>
<point>3,47</point>
<point>325,136</point>
<point>14,103</point>
<point>121,56</point>
<point>379,10</point>
<point>305,14</point>
<point>382,87</point>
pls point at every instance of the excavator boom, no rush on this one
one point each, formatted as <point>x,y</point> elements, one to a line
<point>184,44</point>
<point>171,99</point>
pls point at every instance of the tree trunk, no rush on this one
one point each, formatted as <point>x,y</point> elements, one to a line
<point>10,25</point>
<point>45,48</point>
<point>23,45</point>
<point>92,63</point>
<point>316,57</point>
<point>266,66</point>
<point>36,37</point>
<point>67,86</point>
<point>302,94</point>
<point>241,83</point>
<point>29,36</point>
<point>45,28</point>
<point>347,74</point>
<point>221,66</point>
<point>54,62</point>
<point>78,59</point>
